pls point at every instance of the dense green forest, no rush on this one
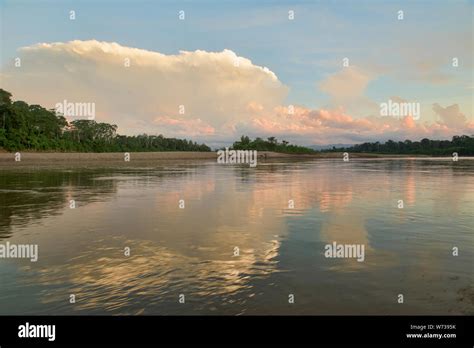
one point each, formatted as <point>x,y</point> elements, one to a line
<point>271,144</point>
<point>34,128</point>
<point>463,145</point>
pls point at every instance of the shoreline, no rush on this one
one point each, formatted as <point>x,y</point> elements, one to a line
<point>47,158</point>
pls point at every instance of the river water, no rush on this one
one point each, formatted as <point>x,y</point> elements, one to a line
<point>197,237</point>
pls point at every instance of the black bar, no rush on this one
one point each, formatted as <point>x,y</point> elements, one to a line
<point>225,330</point>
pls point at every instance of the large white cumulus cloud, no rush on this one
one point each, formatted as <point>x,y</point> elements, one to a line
<point>223,95</point>
<point>215,88</point>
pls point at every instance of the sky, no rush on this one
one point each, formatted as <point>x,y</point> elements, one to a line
<point>310,72</point>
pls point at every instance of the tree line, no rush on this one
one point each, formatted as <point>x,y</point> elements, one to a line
<point>32,127</point>
<point>271,144</point>
<point>463,145</point>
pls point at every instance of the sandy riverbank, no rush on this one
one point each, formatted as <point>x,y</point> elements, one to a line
<point>51,158</point>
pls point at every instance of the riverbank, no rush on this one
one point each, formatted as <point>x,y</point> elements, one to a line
<point>7,157</point>
<point>39,158</point>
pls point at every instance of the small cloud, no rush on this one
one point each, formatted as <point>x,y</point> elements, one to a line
<point>346,89</point>
<point>450,115</point>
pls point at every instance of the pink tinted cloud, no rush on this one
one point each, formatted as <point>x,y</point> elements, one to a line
<point>322,126</point>
<point>189,127</point>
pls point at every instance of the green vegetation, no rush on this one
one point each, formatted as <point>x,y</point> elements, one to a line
<point>271,144</point>
<point>32,127</point>
<point>463,145</point>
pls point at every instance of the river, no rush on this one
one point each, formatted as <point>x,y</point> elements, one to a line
<point>197,237</point>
